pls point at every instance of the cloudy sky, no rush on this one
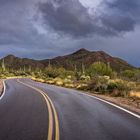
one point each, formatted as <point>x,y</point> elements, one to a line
<point>48,28</point>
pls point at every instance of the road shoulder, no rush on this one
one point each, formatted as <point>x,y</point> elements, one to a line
<point>1,87</point>
<point>127,103</point>
<point>130,104</point>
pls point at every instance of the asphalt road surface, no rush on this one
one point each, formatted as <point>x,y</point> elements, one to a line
<point>35,111</point>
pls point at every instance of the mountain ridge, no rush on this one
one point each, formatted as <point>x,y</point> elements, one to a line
<point>77,58</point>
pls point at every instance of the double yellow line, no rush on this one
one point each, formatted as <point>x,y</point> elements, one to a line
<point>51,111</point>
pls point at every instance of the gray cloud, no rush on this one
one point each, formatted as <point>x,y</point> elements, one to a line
<point>67,25</point>
<point>68,16</point>
<point>126,6</point>
<point>71,17</point>
<point>121,15</point>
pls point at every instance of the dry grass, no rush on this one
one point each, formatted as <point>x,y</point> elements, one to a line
<point>135,94</point>
<point>14,77</point>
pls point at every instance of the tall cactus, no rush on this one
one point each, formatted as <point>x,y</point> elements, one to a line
<point>83,68</point>
<point>3,65</point>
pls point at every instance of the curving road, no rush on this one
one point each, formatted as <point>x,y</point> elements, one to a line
<point>34,111</point>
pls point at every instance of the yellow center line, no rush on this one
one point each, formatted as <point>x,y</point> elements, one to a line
<point>50,130</point>
<point>57,133</point>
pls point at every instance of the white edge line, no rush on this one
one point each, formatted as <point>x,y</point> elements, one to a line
<point>4,88</point>
<point>114,105</point>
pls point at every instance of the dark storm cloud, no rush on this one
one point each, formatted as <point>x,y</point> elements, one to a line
<point>16,25</point>
<point>48,28</point>
<point>127,6</point>
<point>71,17</point>
<point>121,15</point>
<point>68,16</point>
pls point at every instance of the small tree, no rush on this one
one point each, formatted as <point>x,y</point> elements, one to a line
<point>128,73</point>
<point>3,65</point>
<point>83,69</point>
<point>137,75</point>
<point>131,74</point>
<point>100,68</point>
<point>51,72</point>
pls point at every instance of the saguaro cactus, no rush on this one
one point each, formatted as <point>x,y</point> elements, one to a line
<point>3,65</point>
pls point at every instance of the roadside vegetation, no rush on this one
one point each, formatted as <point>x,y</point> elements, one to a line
<point>99,78</point>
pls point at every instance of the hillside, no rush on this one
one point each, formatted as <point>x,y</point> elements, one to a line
<point>87,58</point>
<point>16,63</point>
<point>77,58</point>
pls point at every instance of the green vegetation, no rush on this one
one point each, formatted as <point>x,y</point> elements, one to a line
<point>99,68</point>
<point>133,75</point>
<point>98,78</point>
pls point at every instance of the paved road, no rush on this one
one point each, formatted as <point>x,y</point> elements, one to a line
<point>34,111</point>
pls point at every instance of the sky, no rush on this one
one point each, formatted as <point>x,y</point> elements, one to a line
<point>48,28</point>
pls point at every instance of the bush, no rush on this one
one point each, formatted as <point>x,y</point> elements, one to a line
<point>98,84</point>
<point>99,68</point>
<point>112,86</point>
<point>118,88</point>
<point>131,74</point>
<point>51,72</point>
<point>85,78</point>
<point>128,73</point>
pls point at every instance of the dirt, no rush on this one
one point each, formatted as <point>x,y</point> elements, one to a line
<point>132,104</point>
<point>1,86</point>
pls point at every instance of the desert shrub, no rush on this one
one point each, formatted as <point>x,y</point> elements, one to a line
<point>63,73</point>
<point>58,81</point>
<point>102,84</point>
<point>98,84</point>
<point>118,88</point>
<point>137,75</point>
<point>82,86</point>
<point>135,94</point>
<point>112,86</point>
<point>84,78</point>
<point>99,68</point>
<point>131,75</point>
<point>77,75</point>
<point>51,72</point>
<point>128,73</point>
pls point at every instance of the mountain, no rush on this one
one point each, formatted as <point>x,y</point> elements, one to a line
<point>87,58</point>
<point>77,58</point>
<point>14,62</point>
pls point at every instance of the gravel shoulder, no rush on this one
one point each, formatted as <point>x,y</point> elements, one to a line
<point>1,86</point>
<point>131,104</point>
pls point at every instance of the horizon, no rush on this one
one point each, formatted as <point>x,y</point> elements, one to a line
<point>66,55</point>
<point>40,29</point>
